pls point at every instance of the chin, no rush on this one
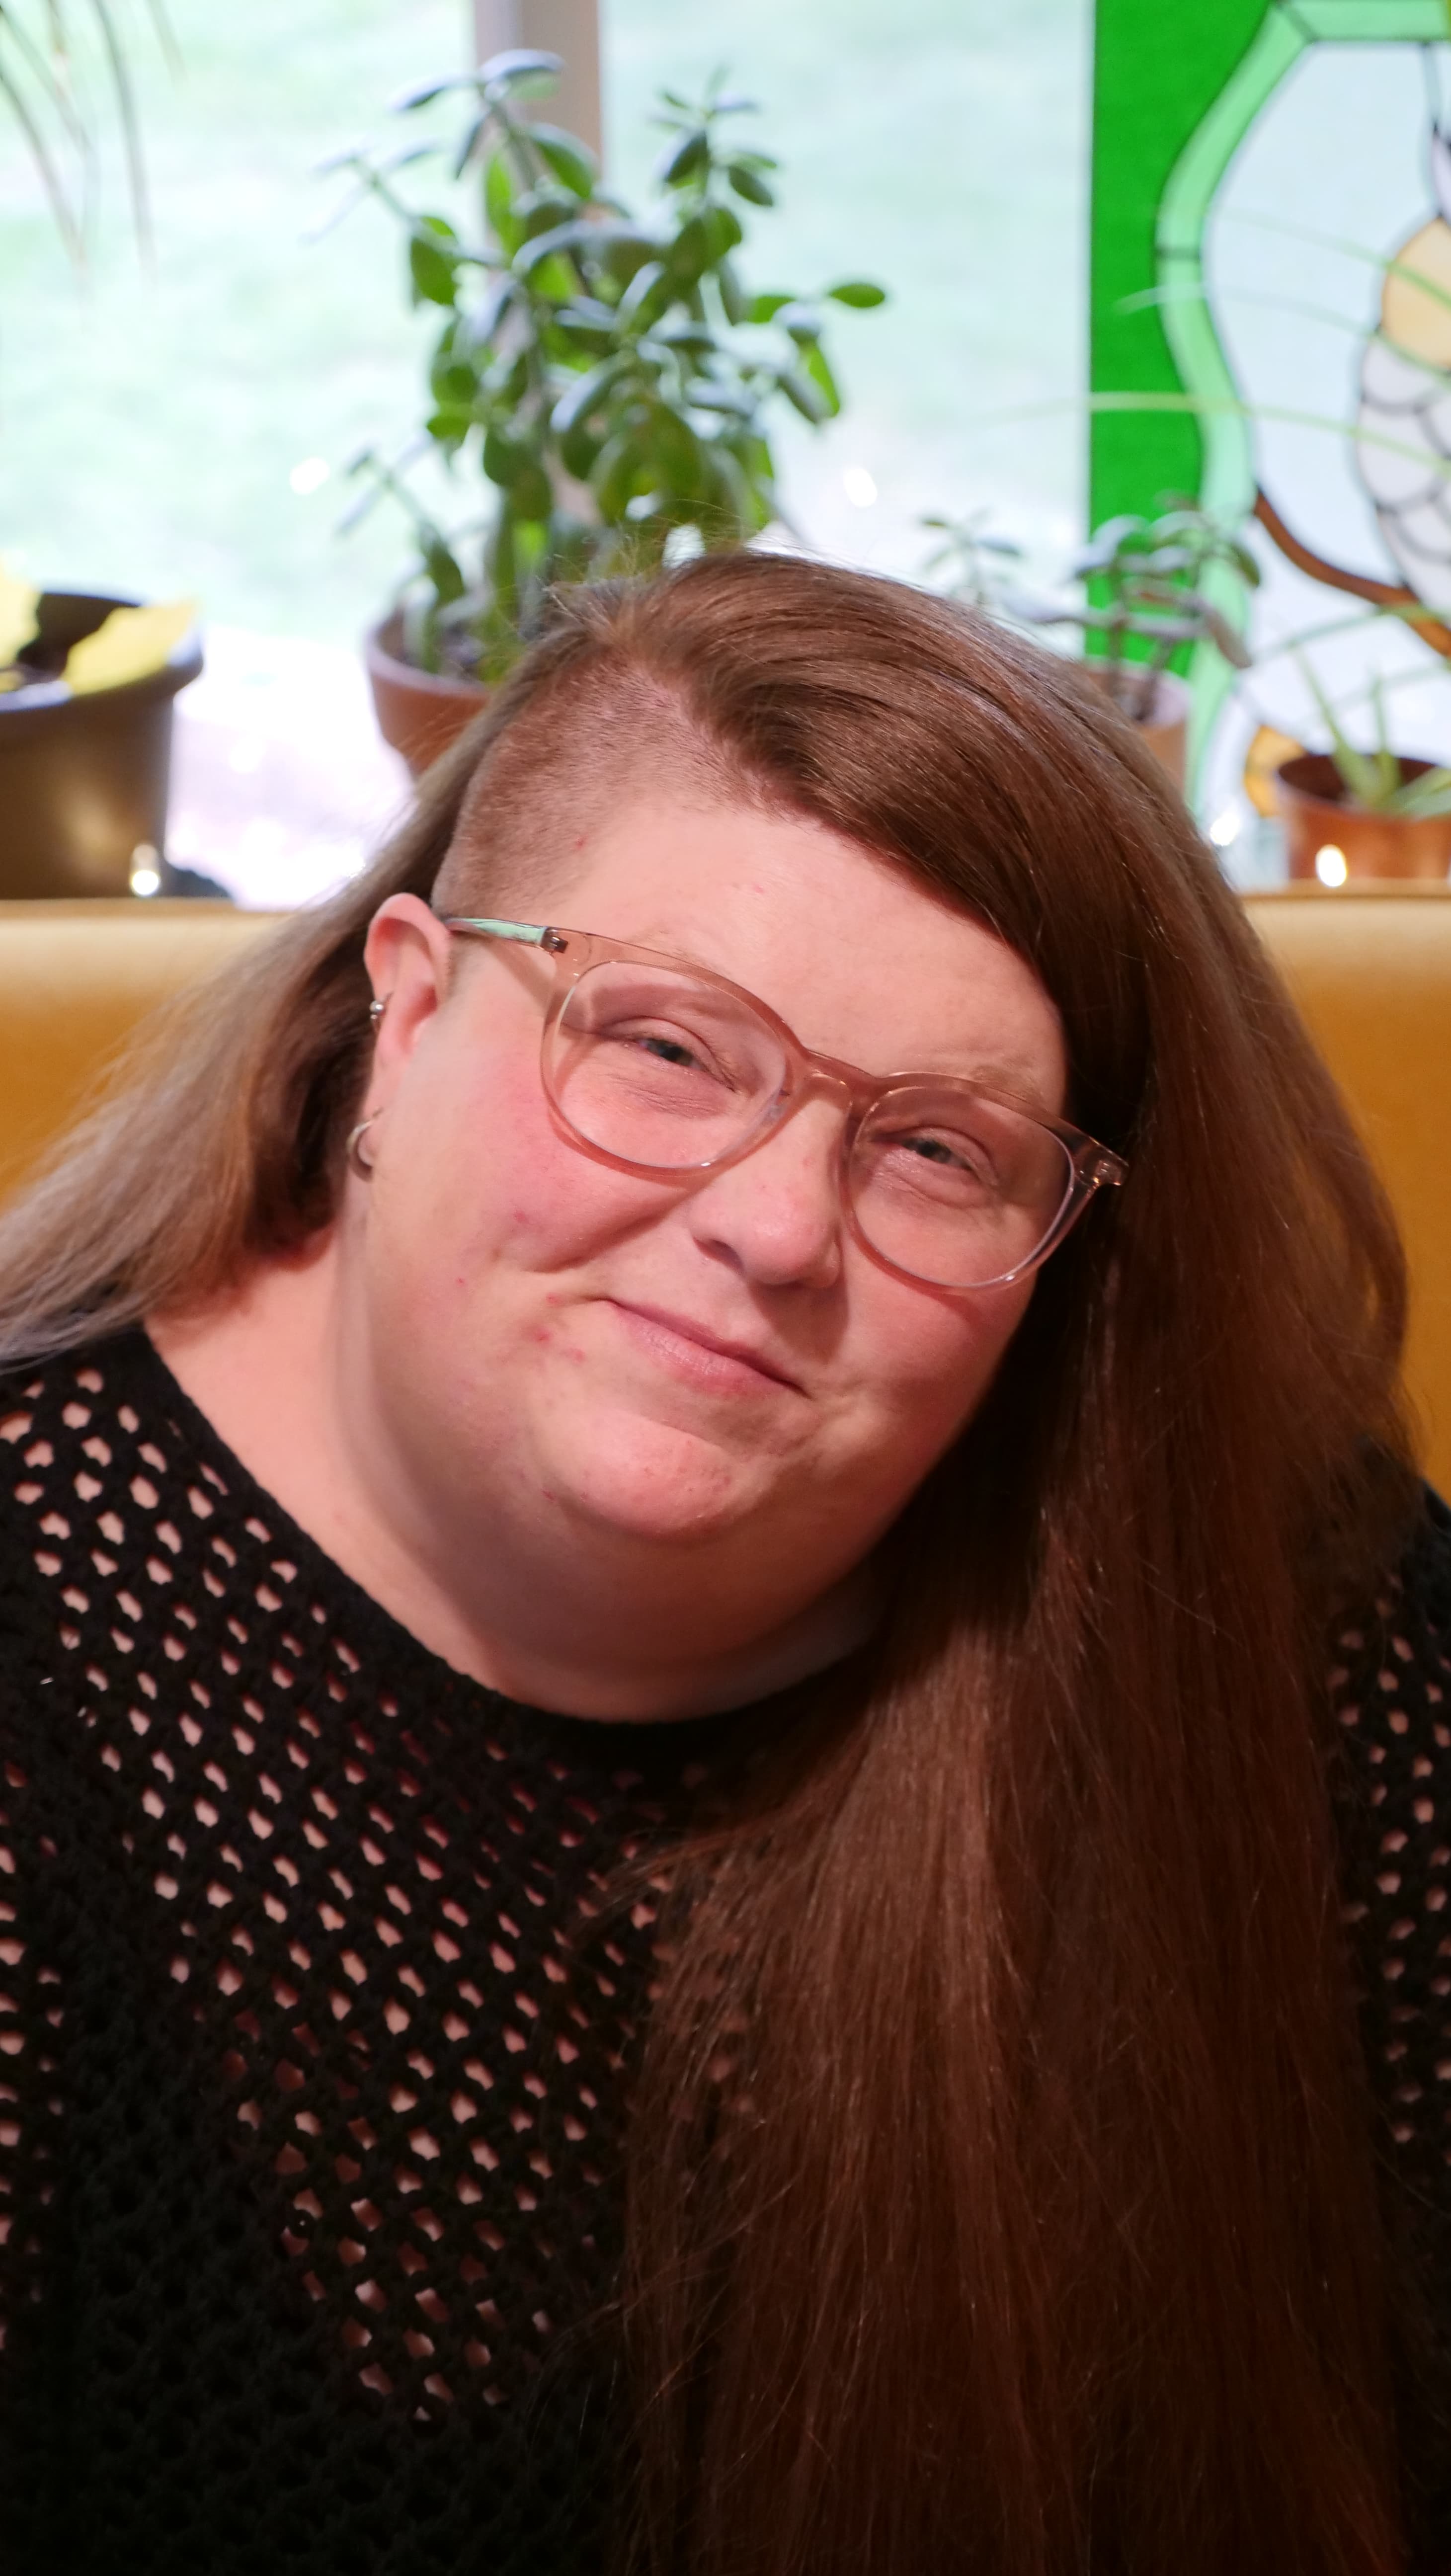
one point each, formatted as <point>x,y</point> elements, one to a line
<point>648,1481</point>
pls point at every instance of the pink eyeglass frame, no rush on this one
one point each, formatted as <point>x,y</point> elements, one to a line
<point>573,952</point>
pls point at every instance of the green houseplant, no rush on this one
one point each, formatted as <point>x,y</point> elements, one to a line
<point>605,381</point>
<point>1144,583</point>
<point>1143,600</point>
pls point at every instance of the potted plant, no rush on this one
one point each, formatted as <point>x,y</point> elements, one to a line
<point>1144,582</point>
<point>86,682</point>
<point>608,378</point>
<point>86,691</point>
<point>1350,813</point>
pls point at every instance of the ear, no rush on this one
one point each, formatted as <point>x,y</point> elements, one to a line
<point>409,957</point>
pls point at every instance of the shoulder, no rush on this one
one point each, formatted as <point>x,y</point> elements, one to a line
<point>1390,1694</point>
<point>1423,1579</point>
<point>1390,1687</point>
<point>1390,1683</point>
<point>72,1432</point>
<point>1390,1675</point>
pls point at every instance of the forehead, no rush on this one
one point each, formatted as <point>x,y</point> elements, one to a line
<point>861,960</point>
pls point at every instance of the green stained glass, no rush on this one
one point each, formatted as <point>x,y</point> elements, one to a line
<point>1176,94</point>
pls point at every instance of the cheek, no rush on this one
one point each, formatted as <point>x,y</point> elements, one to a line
<point>936,1360</point>
<point>479,1182</point>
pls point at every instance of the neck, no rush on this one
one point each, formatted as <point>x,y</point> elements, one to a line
<point>590,1623</point>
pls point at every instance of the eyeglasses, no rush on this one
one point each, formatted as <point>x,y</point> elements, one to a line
<point>654,1065</point>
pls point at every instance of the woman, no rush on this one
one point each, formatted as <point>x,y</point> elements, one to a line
<point>676,1823</point>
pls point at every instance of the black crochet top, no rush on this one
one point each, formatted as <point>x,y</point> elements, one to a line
<point>316,2019</point>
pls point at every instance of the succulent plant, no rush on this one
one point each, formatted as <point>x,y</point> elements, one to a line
<point>608,378</point>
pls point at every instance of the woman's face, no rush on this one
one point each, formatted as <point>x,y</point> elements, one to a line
<point>715,1362</point>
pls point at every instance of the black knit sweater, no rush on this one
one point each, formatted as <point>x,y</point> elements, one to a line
<point>315,2025</point>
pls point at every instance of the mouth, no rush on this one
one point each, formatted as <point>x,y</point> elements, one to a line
<point>710,1358</point>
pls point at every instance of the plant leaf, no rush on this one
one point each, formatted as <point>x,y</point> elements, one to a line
<point>680,161</point>
<point>859,293</point>
<point>575,234</point>
<point>569,159</point>
<point>749,184</point>
<point>801,319</point>
<point>499,203</point>
<point>1360,775</point>
<point>433,273</point>
<point>732,296</point>
<point>1228,638</point>
<point>639,291</point>
<point>423,93</point>
<point>814,362</point>
<point>19,602</point>
<point>804,397</point>
<point>444,570</point>
<point>517,63</point>
<point>130,130</point>
<point>1420,799</point>
<point>473,136</point>
<point>554,278</point>
<point>128,645</point>
<point>579,401</point>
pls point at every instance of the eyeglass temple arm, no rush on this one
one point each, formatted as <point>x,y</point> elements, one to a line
<point>532,934</point>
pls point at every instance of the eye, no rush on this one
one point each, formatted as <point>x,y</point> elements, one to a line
<point>942,1155</point>
<point>959,1152</point>
<point>678,1048</point>
<point>669,1050</point>
<point>947,1171</point>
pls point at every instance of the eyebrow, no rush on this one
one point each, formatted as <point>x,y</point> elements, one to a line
<point>1013,1076</point>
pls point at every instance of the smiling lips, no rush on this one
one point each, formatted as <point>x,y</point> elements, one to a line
<point>696,1352</point>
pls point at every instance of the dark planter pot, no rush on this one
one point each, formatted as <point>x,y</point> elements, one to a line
<point>1312,801</point>
<point>83,780</point>
<point>420,713</point>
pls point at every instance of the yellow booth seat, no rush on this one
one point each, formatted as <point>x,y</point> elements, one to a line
<point>1370,968</point>
<point>74,980</point>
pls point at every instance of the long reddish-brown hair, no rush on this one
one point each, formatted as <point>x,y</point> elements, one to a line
<point>1001,2193</point>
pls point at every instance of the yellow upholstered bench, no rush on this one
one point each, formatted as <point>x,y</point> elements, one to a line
<point>75,978</point>
<point>1370,968</point>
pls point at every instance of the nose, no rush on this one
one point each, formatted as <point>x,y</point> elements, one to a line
<point>777,1214</point>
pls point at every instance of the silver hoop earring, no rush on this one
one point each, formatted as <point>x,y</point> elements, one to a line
<point>357,1162</point>
<point>376,1010</point>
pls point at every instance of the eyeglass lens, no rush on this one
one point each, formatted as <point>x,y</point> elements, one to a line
<point>674,1074</point>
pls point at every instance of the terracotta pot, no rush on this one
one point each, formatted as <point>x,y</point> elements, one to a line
<point>1165,729</point>
<point>420,713</point>
<point>1316,817</point>
<point>84,780</point>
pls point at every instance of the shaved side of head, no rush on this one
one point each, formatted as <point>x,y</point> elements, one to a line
<point>573,757</point>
